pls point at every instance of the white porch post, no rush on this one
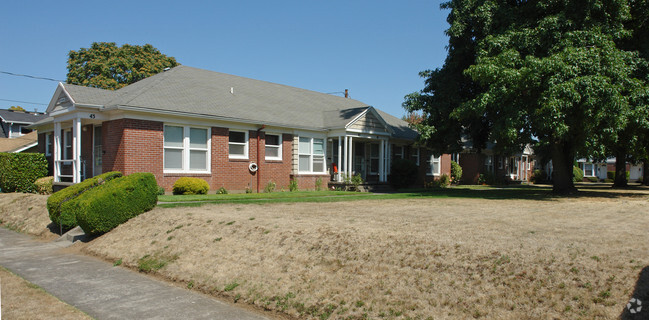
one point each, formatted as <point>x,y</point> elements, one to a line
<point>381,164</point>
<point>345,157</point>
<point>340,165</point>
<point>76,150</point>
<point>56,153</point>
<point>351,162</point>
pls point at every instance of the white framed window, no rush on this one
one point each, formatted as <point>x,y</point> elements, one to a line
<point>238,144</point>
<point>186,149</point>
<point>414,155</point>
<point>67,145</point>
<point>589,170</point>
<point>434,165</point>
<point>398,152</point>
<point>500,162</point>
<point>311,153</point>
<point>273,146</point>
<point>489,163</point>
<point>48,144</point>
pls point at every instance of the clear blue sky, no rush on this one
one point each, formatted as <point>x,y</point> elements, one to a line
<point>373,48</point>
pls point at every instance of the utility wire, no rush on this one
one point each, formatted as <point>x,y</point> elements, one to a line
<point>29,76</point>
<point>42,104</point>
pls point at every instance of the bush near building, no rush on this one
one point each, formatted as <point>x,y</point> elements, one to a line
<point>103,208</point>
<point>19,171</point>
<point>56,201</point>
<point>190,185</point>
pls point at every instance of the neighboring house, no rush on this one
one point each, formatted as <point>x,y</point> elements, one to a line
<point>510,168</point>
<point>14,134</point>
<point>595,169</point>
<point>218,127</point>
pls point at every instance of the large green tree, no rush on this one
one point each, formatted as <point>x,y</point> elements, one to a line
<point>549,73</point>
<point>107,66</point>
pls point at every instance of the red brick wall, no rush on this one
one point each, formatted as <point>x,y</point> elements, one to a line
<point>137,146</point>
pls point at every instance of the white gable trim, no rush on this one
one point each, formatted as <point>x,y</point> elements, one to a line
<point>374,113</point>
<point>60,89</point>
<point>23,148</point>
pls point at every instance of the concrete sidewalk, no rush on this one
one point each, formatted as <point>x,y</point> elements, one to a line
<point>103,291</point>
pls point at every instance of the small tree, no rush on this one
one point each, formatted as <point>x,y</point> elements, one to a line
<point>456,172</point>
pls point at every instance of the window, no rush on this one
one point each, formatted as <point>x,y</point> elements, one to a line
<point>500,162</point>
<point>414,155</point>
<point>589,170</point>
<point>238,145</point>
<point>67,145</point>
<point>374,158</point>
<point>186,149</point>
<point>434,164</point>
<point>489,163</point>
<point>311,155</point>
<point>398,152</point>
<point>48,144</point>
<point>273,147</point>
<point>455,157</point>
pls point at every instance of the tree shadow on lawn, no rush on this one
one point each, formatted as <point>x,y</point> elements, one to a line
<point>639,299</point>
<point>535,192</point>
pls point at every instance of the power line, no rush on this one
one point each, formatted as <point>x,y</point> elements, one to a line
<point>29,76</point>
<point>42,104</point>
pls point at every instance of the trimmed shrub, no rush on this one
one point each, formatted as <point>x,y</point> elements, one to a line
<point>456,172</point>
<point>44,185</point>
<point>592,179</point>
<point>577,174</point>
<point>442,182</point>
<point>19,171</point>
<point>161,191</point>
<point>190,185</point>
<point>539,176</point>
<point>611,175</point>
<point>222,190</point>
<point>103,208</point>
<point>403,173</point>
<point>56,200</point>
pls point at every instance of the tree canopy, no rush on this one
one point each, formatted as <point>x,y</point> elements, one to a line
<point>107,66</point>
<point>553,74</point>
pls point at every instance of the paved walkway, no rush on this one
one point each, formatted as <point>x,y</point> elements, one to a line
<point>104,291</point>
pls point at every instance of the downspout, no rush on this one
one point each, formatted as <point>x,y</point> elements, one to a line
<point>259,163</point>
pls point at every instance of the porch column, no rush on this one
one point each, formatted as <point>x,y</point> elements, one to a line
<point>381,164</point>
<point>340,165</point>
<point>56,153</point>
<point>76,150</point>
<point>351,157</point>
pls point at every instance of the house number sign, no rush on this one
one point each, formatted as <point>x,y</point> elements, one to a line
<point>92,116</point>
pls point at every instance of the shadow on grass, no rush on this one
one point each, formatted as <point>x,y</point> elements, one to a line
<point>534,192</point>
<point>639,299</point>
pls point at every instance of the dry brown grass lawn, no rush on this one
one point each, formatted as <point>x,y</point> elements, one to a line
<point>23,300</point>
<point>424,258</point>
<point>26,213</point>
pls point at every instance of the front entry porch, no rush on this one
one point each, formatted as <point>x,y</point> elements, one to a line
<point>76,150</point>
<point>362,155</point>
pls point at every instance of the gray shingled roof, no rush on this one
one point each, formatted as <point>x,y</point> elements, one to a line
<point>203,92</point>
<point>21,117</point>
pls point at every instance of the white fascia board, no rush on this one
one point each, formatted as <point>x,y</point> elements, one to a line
<point>381,133</point>
<point>210,117</point>
<point>23,148</point>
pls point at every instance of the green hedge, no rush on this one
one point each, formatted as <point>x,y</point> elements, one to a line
<point>403,173</point>
<point>56,200</point>
<point>19,171</point>
<point>611,175</point>
<point>577,174</point>
<point>103,208</point>
<point>190,185</point>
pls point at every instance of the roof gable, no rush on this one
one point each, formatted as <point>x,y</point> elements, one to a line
<point>369,121</point>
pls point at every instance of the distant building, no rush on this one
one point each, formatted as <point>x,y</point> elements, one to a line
<point>14,134</point>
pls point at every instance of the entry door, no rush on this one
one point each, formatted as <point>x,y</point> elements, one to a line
<point>359,159</point>
<point>96,151</point>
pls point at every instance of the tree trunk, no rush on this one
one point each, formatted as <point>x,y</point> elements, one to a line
<point>645,172</point>
<point>562,160</point>
<point>620,170</point>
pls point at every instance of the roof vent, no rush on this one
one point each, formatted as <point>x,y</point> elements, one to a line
<point>167,69</point>
<point>231,90</point>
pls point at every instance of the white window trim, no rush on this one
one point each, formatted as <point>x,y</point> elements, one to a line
<point>400,154</point>
<point>593,173</point>
<point>65,144</point>
<point>500,162</point>
<point>377,157</point>
<point>311,155</point>
<point>279,151</point>
<point>431,162</point>
<point>48,144</point>
<point>417,155</point>
<point>245,144</point>
<point>186,150</point>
